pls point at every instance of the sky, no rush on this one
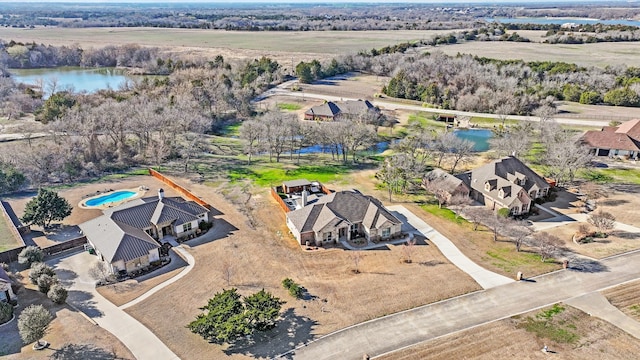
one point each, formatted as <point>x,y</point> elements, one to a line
<point>530,2</point>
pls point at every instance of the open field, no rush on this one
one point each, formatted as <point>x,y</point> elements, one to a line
<point>626,297</point>
<point>508,339</point>
<point>286,47</point>
<point>87,340</point>
<point>262,257</point>
<point>598,54</point>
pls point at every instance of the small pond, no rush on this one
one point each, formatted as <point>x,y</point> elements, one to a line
<point>479,137</point>
<point>77,79</point>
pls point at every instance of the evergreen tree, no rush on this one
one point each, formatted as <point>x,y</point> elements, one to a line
<point>47,206</point>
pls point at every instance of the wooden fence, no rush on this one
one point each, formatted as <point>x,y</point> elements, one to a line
<point>179,188</point>
<point>70,244</point>
<point>275,195</point>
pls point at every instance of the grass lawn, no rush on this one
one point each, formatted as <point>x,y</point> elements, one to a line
<point>425,119</point>
<point>624,176</point>
<point>444,213</point>
<point>289,107</point>
<point>271,174</point>
<point>7,239</point>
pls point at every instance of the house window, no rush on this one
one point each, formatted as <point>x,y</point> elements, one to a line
<point>486,186</point>
<point>186,227</point>
<point>386,232</point>
<point>328,236</point>
<point>525,208</point>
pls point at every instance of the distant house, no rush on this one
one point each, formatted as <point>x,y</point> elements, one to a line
<point>505,183</point>
<point>330,111</point>
<point>342,215</point>
<point>6,293</point>
<point>610,141</point>
<point>128,236</point>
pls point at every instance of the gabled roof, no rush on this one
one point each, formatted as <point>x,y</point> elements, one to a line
<point>297,182</point>
<point>152,211</point>
<point>497,173</point>
<point>450,182</point>
<point>331,109</point>
<point>623,137</point>
<point>116,240</point>
<point>344,206</point>
<point>4,277</point>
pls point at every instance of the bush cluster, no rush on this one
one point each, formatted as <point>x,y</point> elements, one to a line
<point>295,290</point>
<point>43,275</point>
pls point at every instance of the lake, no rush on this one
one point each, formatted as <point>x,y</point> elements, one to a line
<point>479,137</point>
<point>560,21</point>
<point>76,79</point>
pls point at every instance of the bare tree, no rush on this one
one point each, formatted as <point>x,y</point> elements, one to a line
<point>519,232</point>
<point>603,221</point>
<point>227,271</point>
<point>250,132</point>
<point>99,271</point>
<point>458,202</point>
<point>396,172</point>
<point>563,156</point>
<point>475,214</point>
<point>438,186</point>
<point>408,249</point>
<point>547,245</point>
<point>356,256</point>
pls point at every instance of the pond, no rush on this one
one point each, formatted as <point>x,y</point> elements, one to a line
<point>317,149</point>
<point>560,21</point>
<point>76,79</point>
<point>479,137</point>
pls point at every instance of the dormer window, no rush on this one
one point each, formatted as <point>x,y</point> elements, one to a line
<point>487,187</point>
<point>501,194</point>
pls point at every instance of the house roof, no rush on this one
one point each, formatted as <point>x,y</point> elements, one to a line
<point>116,240</point>
<point>296,183</point>
<point>450,182</point>
<point>331,109</point>
<point>623,137</point>
<point>344,206</point>
<point>505,174</point>
<point>119,234</point>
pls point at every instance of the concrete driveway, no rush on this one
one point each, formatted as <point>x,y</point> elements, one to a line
<point>73,271</point>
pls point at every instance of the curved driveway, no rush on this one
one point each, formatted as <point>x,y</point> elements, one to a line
<point>417,325</point>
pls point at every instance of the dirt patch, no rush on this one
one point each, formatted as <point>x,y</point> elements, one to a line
<point>69,326</point>
<point>505,340</point>
<point>626,298</point>
<point>261,258</point>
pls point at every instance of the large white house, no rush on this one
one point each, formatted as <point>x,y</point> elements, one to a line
<point>128,236</point>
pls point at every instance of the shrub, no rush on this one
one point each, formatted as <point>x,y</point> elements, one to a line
<point>295,290</point>
<point>38,269</point>
<point>205,225</point>
<point>30,255</point>
<point>57,294</point>
<point>33,323</point>
<point>45,282</point>
<point>6,312</point>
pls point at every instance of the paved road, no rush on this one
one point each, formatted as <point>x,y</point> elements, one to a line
<point>411,327</point>
<point>487,279</point>
<point>73,272</point>
<point>595,304</point>
<point>282,89</point>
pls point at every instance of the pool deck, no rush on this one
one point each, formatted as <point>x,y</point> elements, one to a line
<point>139,192</point>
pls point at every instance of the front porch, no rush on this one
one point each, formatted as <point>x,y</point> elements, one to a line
<point>362,243</point>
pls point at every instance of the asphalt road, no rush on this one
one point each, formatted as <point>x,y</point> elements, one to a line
<point>414,326</point>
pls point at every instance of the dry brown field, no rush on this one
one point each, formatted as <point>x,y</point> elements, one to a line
<point>68,327</point>
<point>504,340</point>
<point>263,256</point>
<point>617,242</point>
<point>626,297</point>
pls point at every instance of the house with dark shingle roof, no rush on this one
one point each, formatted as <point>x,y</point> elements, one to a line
<point>610,141</point>
<point>330,110</point>
<point>6,292</point>
<point>128,236</point>
<point>340,216</point>
<point>505,183</point>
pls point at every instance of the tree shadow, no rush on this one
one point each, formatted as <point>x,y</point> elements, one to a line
<point>66,277</point>
<point>587,265</point>
<point>292,331</point>
<point>432,263</point>
<point>84,302</point>
<point>626,235</point>
<point>613,202</point>
<point>83,352</point>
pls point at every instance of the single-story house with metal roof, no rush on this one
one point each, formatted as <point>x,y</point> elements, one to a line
<point>128,236</point>
<point>342,215</point>
<point>332,110</point>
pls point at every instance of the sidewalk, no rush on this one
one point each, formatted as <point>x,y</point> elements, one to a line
<point>487,279</point>
<point>595,304</point>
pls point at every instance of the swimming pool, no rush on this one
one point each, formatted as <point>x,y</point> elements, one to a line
<point>110,198</point>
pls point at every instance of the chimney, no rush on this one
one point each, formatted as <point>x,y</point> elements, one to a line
<point>160,194</point>
<point>304,198</point>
